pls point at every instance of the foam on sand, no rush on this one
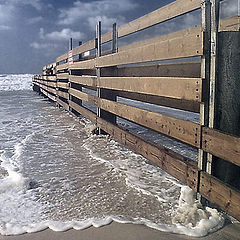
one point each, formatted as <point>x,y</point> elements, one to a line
<point>192,219</point>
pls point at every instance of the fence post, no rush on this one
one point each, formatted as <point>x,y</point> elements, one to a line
<point>69,73</point>
<point>114,39</point>
<point>103,93</point>
<point>205,75</point>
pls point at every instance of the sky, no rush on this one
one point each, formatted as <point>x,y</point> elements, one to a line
<point>34,33</point>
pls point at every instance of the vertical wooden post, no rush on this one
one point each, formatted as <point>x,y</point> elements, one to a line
<point>213,70</point>
<point>69,73</point>
<point>103,93</point>
<point>80,55</point>
<point>205,75</point>
<point>115,39</point>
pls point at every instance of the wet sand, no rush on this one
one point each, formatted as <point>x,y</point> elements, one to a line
<point>116,231</point>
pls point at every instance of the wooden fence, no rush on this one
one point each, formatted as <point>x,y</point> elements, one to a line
<point>186,85</point>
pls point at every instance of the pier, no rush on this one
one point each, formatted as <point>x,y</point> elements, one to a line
<point>194,69</point>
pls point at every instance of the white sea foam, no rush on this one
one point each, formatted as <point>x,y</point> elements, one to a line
<point>14,82</point>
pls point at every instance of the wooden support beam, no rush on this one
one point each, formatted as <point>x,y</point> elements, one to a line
<point>84,80</point>
<point>171,87</point>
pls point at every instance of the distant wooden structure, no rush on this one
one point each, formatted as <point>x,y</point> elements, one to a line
<point>186,85</point>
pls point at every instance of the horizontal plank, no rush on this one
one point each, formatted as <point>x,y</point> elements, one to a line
<point>83,111</point>
<point>183,33</point>
<point>88,64</point>
<point>171,162</point>
<point>162,101</point>
<point>62,85</point>
<point>83,80</point>
<point>167,12</point>
<point>172,87</point>
<point>49,78</point>
<point>62,75</point>
<point>52,90</point>
<point>62,103</point>
<point>181,47</point>
<point>182,130</point>
<point>52,84</point>
<point>62,57</point>
<point>52,97</point>
<point>63,94</point>
<point>63,66</point>
<point>87,46</point>
<point>229,24</point>
<point>83,96</point>
<point>216,192</point>
<point>221,145</point>
<point>179,69</point>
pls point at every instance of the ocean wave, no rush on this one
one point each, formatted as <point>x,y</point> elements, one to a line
<point>15,82</point>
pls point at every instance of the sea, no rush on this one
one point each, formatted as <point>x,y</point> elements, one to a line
<point>54,173</point>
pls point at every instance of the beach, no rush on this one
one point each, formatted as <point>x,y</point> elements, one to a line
<point>116,231</point>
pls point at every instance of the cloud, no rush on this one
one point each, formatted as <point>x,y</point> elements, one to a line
<point>64,34</point>
<point>4,27</point>
<point>37,45</point>
<point>108,11</point>
<point>35,20</point>
<point>37,4</point>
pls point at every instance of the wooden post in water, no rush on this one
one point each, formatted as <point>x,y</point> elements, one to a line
<point>101,92</point>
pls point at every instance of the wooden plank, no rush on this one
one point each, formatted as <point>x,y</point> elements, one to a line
<point>83,111</point>
<point>52,90</point>
<point>62,67</point>
<point>162,101</point>
<point>83,96</point>
<point>51,78</point>
<point>182,130</point>
<point>62,75</point>
<point>172,87</point>
<point>63,94</point>
<point>171,49</point>
<point>173,163</point>
<point>62,58</point>
<point>179,69</point>
<point>84,47</point>
<point>167,12</point>
<point>216,192</point>
<point>183,33</point>
<point>229,24</point>
<point>52,84</point>
<point>84,80</point>
<point>62,85</point>
<point>52,97</point>
<point>62,103</point>
<point>221,145</point>
<point>88,64</point>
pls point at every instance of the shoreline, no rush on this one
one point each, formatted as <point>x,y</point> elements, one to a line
<point>119,231</point>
